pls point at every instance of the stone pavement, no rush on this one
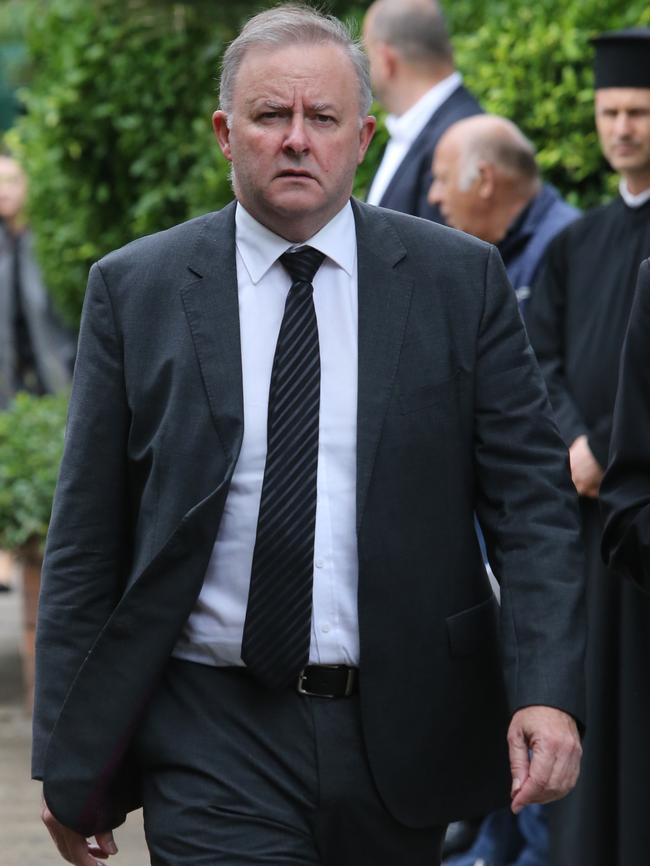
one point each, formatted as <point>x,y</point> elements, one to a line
<point>24,841</point>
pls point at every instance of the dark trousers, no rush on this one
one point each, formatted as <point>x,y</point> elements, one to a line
<point>234,774</point>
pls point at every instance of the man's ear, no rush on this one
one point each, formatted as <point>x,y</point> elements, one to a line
<point>486,180</point>
<point>222,132</point>
<point>368,126</point>
<point>390,58</point>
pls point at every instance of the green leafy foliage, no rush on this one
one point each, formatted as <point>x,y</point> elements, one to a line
<point>31,445</point>
<point>533,64</point>
<point>117,137</point>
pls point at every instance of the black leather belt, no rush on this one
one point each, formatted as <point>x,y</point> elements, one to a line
<point>328,681</point>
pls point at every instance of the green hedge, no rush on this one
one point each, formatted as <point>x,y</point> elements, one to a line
<point>533,64</point>
<point>31,445</point>
<point>117,138</point>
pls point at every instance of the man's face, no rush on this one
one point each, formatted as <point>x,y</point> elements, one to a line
<point>13,188</point>
<point>458,206</point>
<point>623,123</point>
<point>295,136</point>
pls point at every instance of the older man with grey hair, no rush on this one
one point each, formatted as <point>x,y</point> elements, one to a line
<point>487,183</point>
<point>264,611</point>
<point>414,77</point>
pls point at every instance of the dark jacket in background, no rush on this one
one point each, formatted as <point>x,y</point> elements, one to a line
<point>408,189</point>
<point>523,247</point>
<point>625,491</point>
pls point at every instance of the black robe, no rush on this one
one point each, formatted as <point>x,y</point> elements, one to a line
<point>576,321</point>
<point>625,491</point>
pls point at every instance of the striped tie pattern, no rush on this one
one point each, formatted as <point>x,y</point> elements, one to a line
<point>277,629</point>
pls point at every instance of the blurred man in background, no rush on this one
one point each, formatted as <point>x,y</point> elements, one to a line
<point>486,182</point>
<point>413,76</point>
<point>576,319</point>
<point>36,352</point>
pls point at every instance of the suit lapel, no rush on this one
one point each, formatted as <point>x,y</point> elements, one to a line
<point>384,301</point>
<point>211,305</point>
<point>425,143</point>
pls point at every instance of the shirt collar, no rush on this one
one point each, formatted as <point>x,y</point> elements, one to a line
<point>260,248</point>
<point>631,199</point>
<point>409,125</point>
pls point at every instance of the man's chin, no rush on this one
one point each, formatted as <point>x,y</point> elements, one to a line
<point>296,202</point>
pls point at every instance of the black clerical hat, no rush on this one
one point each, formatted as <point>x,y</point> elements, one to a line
<point>623,58</point>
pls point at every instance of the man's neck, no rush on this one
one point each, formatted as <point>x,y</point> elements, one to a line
<point>513,204</point>
<point>411,87</point>
<point>636,183</point>
<point>14,225</point>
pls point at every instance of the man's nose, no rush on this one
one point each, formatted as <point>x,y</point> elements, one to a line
<point>433,196</point>
<point>622,124</point>
<point>297,139</point>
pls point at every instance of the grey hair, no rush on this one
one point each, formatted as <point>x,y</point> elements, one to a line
<point>292,24</point>
<point>417,30</point>
<point>513,154</point>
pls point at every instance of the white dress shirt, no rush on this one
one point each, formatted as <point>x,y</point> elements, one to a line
<point>213,633</point>
<point>405,129</point>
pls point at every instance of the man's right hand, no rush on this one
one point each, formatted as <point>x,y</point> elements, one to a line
<point>586,472</point>
<point>73,847</point>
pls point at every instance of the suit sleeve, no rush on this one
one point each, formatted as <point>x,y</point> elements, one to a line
<point>87,548</point>
<point>527,508</point>
<point>545,323</point>
<point>625,491</point>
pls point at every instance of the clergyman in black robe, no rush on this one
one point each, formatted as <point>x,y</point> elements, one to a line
<point>576,320</point>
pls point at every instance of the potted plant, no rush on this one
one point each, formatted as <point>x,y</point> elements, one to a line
<point>31,445</point>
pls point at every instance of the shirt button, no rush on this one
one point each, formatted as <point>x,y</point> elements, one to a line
<point>325,628</point>
<point>320,563</point>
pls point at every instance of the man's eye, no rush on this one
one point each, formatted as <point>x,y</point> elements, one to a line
<point>324,118</point>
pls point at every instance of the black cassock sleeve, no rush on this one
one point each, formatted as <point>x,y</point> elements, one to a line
<point>546,326</point>
<point>625,491</point>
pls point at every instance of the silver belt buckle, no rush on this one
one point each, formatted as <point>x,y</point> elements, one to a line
<point>302,676</point>
<point>349,683</point>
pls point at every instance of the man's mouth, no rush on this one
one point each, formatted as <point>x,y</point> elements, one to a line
<point>295,172</point>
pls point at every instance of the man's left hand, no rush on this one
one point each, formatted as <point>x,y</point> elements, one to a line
<point>545,753</point>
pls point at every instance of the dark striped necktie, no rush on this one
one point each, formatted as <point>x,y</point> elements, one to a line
<point>277,630</point>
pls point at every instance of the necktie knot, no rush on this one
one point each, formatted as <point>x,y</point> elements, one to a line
<point>303,264</point>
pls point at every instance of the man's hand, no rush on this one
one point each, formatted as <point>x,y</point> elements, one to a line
<point>73,847</point>
<point>586,472</point>
<point>545,755</point>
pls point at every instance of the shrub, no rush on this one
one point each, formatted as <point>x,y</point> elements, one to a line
<point>31,445</point>
<point>533,64</point>
<point>117,137</point>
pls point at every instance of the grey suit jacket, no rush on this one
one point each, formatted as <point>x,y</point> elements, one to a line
<point>452,417</point>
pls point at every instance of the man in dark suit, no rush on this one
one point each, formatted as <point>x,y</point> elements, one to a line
<point>264,610</point>
<point>413,76</point>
